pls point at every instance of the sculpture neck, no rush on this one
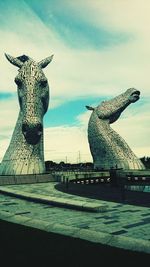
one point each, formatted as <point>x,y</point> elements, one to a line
<point>108,148</point>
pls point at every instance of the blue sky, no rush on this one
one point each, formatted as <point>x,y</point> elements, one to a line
<point>70,109</point>
<point>76,32</point>
<point>100,49</point>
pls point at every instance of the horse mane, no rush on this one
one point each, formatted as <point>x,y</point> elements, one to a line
<point>23,58</point>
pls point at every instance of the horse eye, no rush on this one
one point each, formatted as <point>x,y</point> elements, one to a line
<point>18,82</point>
<point>43,83</point>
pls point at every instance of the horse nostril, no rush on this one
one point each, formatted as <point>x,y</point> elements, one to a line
<point>39,129</point>
<point>25,128</point>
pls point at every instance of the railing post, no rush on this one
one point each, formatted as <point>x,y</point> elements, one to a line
<point>67,183</point>
<point>113,178</point>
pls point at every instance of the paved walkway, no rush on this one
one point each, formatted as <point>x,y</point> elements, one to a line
<point>48,194</point>
<point>115,224</point>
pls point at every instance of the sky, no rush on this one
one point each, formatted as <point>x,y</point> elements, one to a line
<point>101,48</point>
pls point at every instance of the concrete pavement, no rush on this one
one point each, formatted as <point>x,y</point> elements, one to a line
<point>115,224</point>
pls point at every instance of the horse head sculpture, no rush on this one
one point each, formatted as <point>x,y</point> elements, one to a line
<point>26,146</point>
<point>33,94</point>
<point>108,149</point>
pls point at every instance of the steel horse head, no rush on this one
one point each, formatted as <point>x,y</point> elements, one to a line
<point>33,94</point>
<point>108,149</point>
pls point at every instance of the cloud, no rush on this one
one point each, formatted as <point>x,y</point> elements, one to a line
<point>75,31</point>
<point>135,131</point>
<point>117,67</point>
<point>66,143</point>
<point>8,115</point>
<point>116,15</point>
<point>77,72</point>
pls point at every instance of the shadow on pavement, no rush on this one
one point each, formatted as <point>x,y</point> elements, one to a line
<point>24,246</point>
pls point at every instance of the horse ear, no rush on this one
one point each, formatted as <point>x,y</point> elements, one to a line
<point>89,108</point>
<point>43,63</point>
<point>14,61</point>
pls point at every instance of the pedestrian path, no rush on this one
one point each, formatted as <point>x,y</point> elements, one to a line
<point>119,225</point>
<point>46,193</point>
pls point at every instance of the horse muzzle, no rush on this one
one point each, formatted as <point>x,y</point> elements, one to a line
<point>32,132</point>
